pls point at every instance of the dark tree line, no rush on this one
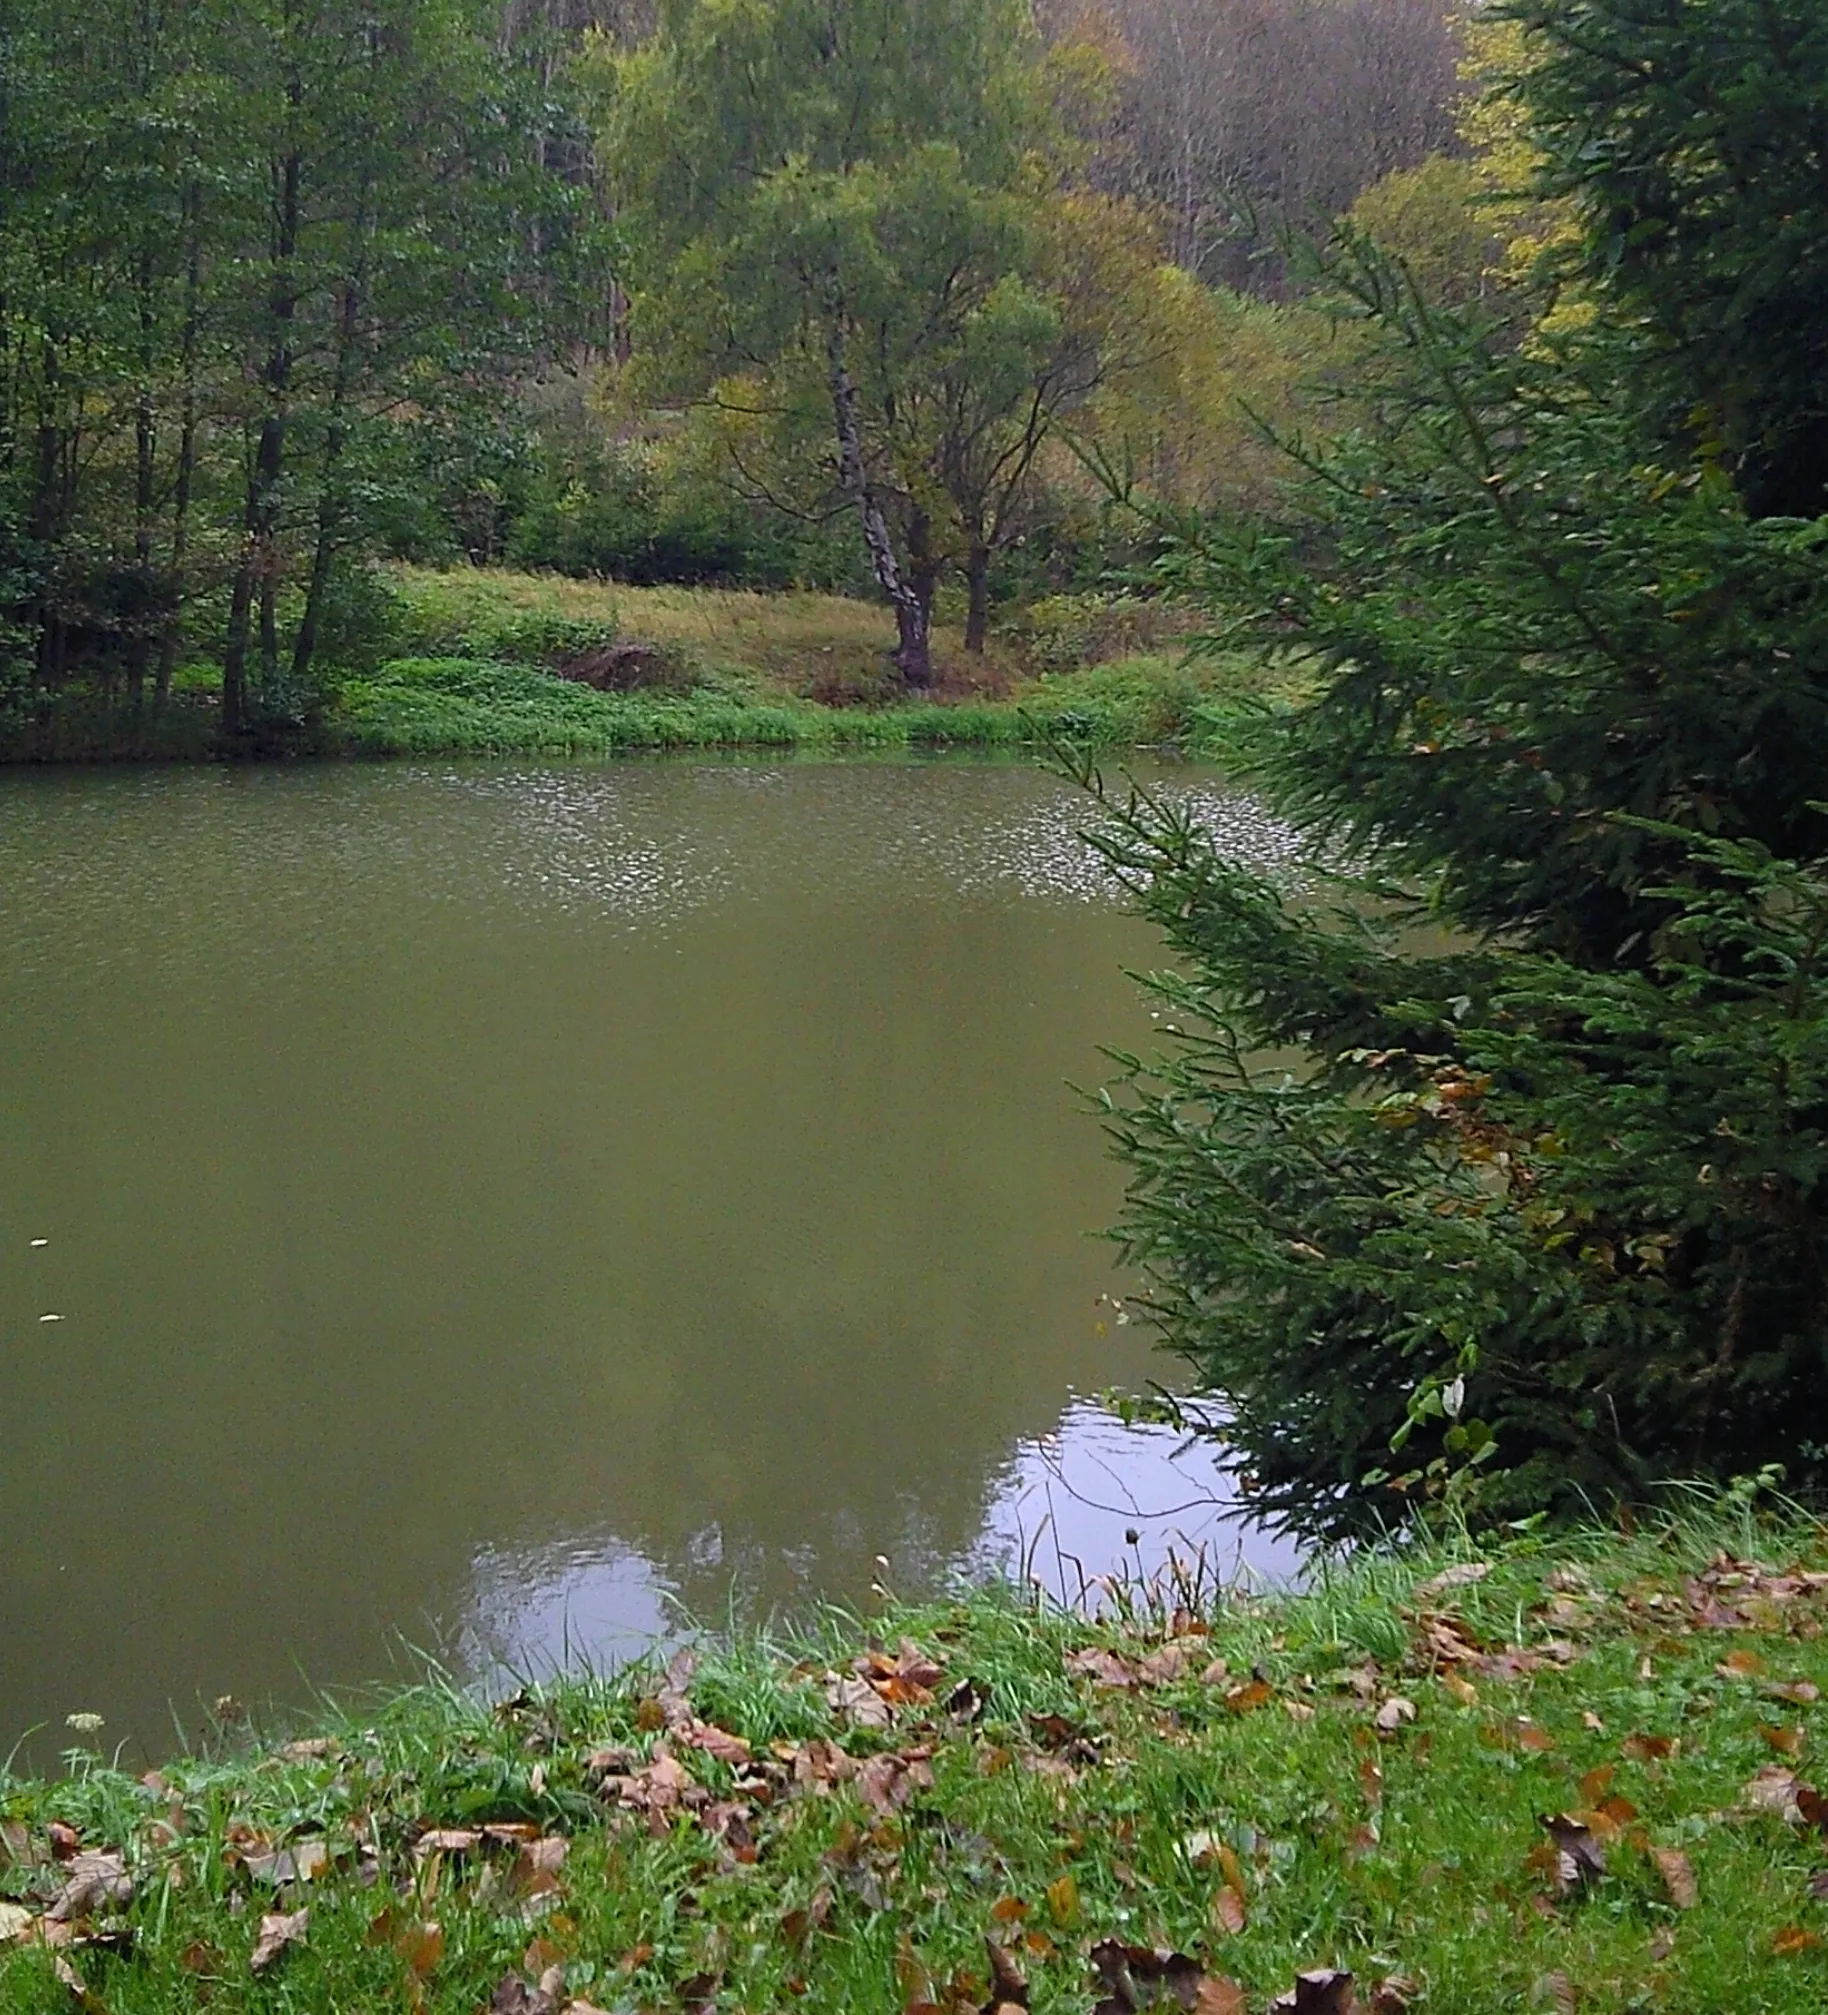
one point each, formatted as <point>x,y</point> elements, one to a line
<point>253,259</point>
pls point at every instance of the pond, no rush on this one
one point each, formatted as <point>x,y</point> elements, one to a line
<point>487,1208</point>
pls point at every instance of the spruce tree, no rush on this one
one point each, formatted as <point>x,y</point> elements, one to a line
<point>1539,1208</point>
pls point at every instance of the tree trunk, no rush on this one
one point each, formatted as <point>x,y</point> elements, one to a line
<point>329,512</point>
<point>259,564</point>
<point>977,614</point>
<point>145,455</point>
<point>913,618</point>
<point>187,451</point>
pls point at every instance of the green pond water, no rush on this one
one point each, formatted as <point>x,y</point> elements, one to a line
<point>485,1207</point>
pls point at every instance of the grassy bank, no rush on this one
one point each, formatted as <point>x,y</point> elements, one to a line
<point>468,706</point>
<point>473,663</point>
<point>711,668</point>
<point>1570,1774</point>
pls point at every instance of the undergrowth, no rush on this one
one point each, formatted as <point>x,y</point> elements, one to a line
<point>1565,1772</point>
<point>469,706</point>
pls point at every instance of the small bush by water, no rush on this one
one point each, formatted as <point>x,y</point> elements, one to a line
<point>1557,1773</point>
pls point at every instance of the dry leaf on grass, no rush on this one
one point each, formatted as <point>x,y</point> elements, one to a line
<point>277,1932</point>
<point>1103,1667</point>
<point>1463,1576</point>
<point>1008,1985</point>
<point>857,1701</point>
<point>1578,1856</point>
<point>93,1882</point>
<point>1326,1991</point>
<point>1172,1661</point>
<point>1137,1977</point>
<point>515,1996</point>
<point>1678,1876</point>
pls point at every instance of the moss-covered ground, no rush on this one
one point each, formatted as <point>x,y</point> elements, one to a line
<point>1567,1772</point>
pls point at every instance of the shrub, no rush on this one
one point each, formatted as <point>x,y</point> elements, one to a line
<point>458,615</point>
<point>1060,633</point>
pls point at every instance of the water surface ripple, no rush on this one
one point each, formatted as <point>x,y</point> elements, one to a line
<point>491,1206</point>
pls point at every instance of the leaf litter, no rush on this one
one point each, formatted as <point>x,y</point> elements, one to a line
<point>902,1735</point>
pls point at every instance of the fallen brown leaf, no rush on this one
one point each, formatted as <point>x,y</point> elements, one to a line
<point>1008,1983</point>
<point>515,1996</point>
<point>1650,1748</point>
<point>1678,1876</point>
<point>303,1861</point>
<point>1579,1858</point>
<point>1793,1939</point>
<point>1740,1665</point>
<point>1371,1781</point>
<point>94,1881</point>
<point>1505,1666</point>
<point>1799,1692</point>
<point>1556,1990</point>
<point>1254,1694</point>
<point>1394,1713</point>
<point>1103,1667</point>
<point>858,1702</point>
<point>1463,1576</point>
<point>1786,1741</point>
<point>1171,1661</point>
<point>717,1743</point>
<point>312,1750</point>
<point>1135,1977</point>
<point>887,1783</point>
<point>277,1932</point>
<point>1773,1788</point>
<point>421,1946</point>
<point>1323,1992</point>
<point>1063,1901</point>
<point>1228,1911</point>
<point>1597,1782</point>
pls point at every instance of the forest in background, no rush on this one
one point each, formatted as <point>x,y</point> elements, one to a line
<point>290,289</point>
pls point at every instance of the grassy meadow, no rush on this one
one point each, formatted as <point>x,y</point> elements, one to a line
<point>1568,1772</point>
<point>483,653</point>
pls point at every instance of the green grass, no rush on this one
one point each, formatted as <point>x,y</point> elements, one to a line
<point>472,706</point>
<point>1285,1816</point>
<point>466,662</point>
